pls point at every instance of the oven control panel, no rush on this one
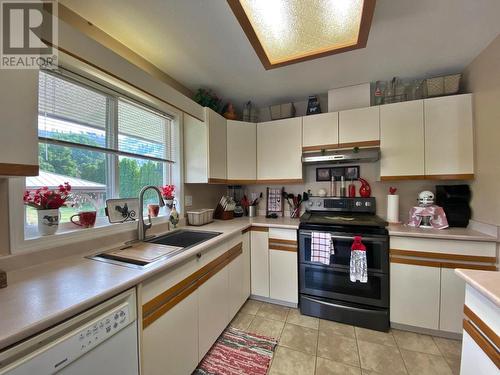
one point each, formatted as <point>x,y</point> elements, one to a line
<point>339,204</point>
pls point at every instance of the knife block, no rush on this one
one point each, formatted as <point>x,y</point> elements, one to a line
<point>220,214</point>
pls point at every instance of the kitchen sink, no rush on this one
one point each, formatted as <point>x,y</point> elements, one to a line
<point>140,255</point>
<point>184,238</point>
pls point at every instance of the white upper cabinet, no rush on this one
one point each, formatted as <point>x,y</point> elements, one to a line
<point>195,150</point>
<point>320,131</point>
<point>402,140</point>
<point>205,148</point>
<point>279,149</point>
<point>449,144</point>
<point>241,150</point>
<point>19,122</point>
<point>358,126</point>
<point>217,141</point>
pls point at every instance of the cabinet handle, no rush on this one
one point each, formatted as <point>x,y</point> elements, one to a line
<point>198,255</point>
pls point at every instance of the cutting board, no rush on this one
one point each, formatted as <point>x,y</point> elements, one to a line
<point>144,252</point>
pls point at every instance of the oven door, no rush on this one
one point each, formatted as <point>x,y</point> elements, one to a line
<point>377,250</point>
<point>334,283</point>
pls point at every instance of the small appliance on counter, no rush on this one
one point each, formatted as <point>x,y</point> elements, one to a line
<point>455,201</point>
<point>427,214</point>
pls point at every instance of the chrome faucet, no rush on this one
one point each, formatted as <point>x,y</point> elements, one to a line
<point>142,227</point>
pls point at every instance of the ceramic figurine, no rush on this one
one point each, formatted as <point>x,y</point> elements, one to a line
<point>174,216</point>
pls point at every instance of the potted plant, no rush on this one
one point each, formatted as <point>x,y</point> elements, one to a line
<point>168,195</point>
<point>207,98</point>
<point>47,203</point>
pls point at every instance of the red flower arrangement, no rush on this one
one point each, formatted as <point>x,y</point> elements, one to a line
<point>45,199</point>
<point>168,191</point>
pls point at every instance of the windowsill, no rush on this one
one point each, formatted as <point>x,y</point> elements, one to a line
<point>69,234</point>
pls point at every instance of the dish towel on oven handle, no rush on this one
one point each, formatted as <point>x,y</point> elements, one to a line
<point>358,267</point>
<point>321,247</point>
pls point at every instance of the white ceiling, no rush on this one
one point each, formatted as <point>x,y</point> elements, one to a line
<point>201,44</point>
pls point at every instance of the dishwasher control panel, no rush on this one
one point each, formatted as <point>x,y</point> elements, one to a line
<point>68,348</point>
<point>100,330</point>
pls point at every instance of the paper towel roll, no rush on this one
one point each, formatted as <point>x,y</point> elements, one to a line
<point>393,208</point>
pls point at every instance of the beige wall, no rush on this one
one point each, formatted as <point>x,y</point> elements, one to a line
<point>4,217</point>
<point>407,190</point>
<point>482,78</point>
<point>204,195</point>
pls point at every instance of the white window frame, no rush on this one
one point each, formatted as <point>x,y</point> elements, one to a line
<point>71,234</point>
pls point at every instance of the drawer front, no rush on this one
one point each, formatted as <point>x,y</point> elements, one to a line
<point>283,234</point>
<point>476,248</point>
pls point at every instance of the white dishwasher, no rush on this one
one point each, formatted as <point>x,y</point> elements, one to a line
<point>101,340</point>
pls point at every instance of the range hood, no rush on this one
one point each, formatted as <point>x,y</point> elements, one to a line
<point>367,155</point>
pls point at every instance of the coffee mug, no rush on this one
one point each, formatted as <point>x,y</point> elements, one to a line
<point>86,219</point>
<point>153,210</point>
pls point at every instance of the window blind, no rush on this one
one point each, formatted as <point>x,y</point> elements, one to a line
<point>76,115</point>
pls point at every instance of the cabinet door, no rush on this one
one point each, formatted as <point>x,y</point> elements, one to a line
<point>213,310</point>
<point>279,150</point>
<point>452,301</point>
<point>259,263</point>
<point>170,343</point>
<point>246,267</point>
<point>235,285</point>
<point>402,139</point>
<point>359,125</point>
<point>19,121</point>
<point>195,150</point>
<point>415,295</point>
<point>320,131</point>
<point>241,150</point>
<point>448,135</point>
<point>283,283</point>
<point>217,143</point>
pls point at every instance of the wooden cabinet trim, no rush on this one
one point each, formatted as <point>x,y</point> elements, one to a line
<point>282,245</point>
<point>447,256</point>
<point>359,144</point>
<point>281,181</point>
<point>241,182</point>
<point>246,230</point>
<point>165,301</point>
<point>429,177</point>
<point>320,147</point>
<point>7,169</point>
<point>259,229</point>
<point>438,264</point>
<point>217,181</point>
<point>482,342</point>
<point>483,327</point>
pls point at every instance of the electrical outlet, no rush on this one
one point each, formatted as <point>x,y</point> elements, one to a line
<point>188,200</point>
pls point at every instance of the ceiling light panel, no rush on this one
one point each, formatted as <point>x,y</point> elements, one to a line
<point>289,31</point>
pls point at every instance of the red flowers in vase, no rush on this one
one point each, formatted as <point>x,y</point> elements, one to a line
<point>46,199</point>
<point>168,191</point>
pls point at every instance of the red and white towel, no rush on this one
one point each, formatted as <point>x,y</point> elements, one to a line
<point>321,247</point>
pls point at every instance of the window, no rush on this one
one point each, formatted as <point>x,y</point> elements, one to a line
<point>103,144</point>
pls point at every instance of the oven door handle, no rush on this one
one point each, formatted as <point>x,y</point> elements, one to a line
<point>349,308</point>
<point>308,234</point>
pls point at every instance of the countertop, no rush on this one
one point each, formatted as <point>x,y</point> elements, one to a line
<point>41,296</point>
<point>485,282</point>
<point>463,234</point>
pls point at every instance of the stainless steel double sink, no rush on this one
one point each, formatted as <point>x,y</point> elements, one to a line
<point>170,245</point>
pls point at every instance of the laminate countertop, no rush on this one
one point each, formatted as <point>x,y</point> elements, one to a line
<point>485,282</point>
<point>41,296</point>
<point>462,234</point>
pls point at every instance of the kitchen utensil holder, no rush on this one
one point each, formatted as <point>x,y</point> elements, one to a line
<point>220,214</point>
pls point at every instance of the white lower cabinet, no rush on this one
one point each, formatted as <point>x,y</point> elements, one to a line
<point>213,310</point>
<point>260,263</point>
<point>170,343</point>
<point>235,285</point>
<point>415,295</point>
<point>246,266</point>
<point>283,283</point>
<point>452,301</point>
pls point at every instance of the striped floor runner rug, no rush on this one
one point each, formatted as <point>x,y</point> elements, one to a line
<point>238,353</point>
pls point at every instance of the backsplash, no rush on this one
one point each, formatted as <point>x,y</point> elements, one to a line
<point>407,190</point>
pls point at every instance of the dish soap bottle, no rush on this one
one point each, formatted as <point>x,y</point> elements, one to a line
<point>174,216</point>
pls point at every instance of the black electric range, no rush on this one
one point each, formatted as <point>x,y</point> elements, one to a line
<point>326,290</point>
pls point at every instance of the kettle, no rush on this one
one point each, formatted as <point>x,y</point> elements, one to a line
<point>365,190</point>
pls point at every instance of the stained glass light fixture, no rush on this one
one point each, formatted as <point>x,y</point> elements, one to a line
<point>284,32</point>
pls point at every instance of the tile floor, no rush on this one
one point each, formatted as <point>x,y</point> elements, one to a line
<point>319,347</point>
